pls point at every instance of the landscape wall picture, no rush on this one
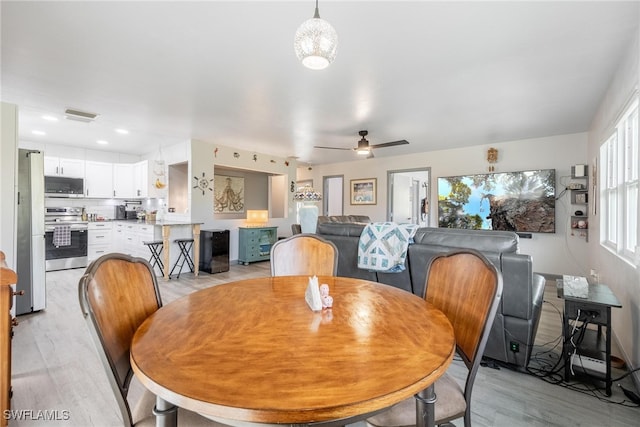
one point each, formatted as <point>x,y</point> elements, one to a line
<point>514,201</point>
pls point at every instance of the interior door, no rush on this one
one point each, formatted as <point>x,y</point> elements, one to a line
<point>333,195</point>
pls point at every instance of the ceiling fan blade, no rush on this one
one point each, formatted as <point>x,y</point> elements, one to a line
<point>370,155</point>
<point>390,144</point>
<point>333,148</point>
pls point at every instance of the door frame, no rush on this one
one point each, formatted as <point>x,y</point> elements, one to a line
<point>429,184</point>
<point>325,194</point>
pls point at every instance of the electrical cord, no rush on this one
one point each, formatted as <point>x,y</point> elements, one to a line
<point>575,346</point>
<point>626,374</point>
<point>550,365</point>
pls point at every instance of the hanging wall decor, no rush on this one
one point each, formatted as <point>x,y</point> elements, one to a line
<point>492,158</point>
<point>363,191</point>
<point>228,194</point>
<point>203,183</point>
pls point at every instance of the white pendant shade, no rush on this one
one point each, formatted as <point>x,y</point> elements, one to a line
<point>315,43</point>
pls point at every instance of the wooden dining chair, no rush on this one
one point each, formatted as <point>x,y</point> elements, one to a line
<point>117,293</point>
<point>304,254</point>
<point>467,288</point>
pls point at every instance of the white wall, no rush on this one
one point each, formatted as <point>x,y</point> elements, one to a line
<point>206,156</point>
<point>558,253</point>
<point>8,182</point>
<point>622,278</point>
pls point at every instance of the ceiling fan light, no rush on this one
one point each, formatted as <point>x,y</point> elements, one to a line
<point>362,151</point>
<point>316,42</point>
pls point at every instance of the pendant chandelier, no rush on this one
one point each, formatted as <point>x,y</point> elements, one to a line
<point>316,42</point>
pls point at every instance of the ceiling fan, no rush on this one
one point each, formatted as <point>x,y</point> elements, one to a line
<point>364,148</point>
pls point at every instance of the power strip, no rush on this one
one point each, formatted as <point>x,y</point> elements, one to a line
<point>589,363</point>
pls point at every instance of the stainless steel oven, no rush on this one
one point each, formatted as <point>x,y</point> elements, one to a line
<point>65,239</point>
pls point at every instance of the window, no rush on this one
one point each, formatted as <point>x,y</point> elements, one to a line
<point>620,187</point>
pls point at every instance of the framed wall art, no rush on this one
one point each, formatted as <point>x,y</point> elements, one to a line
<point>228,194</point>
<point>363,191</point>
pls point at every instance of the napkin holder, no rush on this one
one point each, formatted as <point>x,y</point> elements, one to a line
<point>312,295</point>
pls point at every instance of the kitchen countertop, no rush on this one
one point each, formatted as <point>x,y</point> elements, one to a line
<point>171,222</point>
<point>155,222</point>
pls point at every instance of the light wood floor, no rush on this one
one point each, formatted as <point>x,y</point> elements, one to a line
<point>56,368</point>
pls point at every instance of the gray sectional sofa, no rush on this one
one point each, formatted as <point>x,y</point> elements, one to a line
<point>514,329</point>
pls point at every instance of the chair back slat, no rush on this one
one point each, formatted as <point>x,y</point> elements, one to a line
<point>304,254</point>
<point>466,287</point>
<point>117,293</point>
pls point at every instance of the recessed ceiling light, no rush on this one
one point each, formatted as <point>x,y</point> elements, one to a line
<point>50,118</point>
<point>102,142</point>
<point>122,131</point>
<point>38,132</point>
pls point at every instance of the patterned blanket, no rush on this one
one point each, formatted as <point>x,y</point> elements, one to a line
<point>383,246</point>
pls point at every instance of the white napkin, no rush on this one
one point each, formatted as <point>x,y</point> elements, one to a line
<point>312,294</point>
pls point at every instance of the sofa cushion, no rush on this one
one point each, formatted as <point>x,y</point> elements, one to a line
<point>340,229</point>
<point>359,219</point>
<point>348,256</point>
<point>480,240</point>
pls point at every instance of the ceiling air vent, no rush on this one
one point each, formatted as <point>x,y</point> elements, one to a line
<point>80,116</point>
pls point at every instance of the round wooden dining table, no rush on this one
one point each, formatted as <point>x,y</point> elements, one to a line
<point>253,351</point>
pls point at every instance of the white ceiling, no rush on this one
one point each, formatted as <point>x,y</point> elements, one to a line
<point>439,74</point>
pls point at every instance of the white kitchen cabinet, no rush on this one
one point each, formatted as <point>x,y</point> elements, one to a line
<point>98,181</point>
<point>129,238</point>
<point>119,239</point>
<point>130,235</point>
<point>141,178</point>
<point>58,166</point>
<point>99,239</point>
<point>124,185</point>
<point>130,180</point>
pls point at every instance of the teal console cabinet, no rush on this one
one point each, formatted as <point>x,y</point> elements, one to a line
<point>254,243</point>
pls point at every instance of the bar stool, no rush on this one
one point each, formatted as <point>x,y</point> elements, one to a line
<point>155,246</point>
<point>184,256</point>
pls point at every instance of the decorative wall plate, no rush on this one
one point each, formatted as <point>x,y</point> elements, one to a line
<point>203,183</point>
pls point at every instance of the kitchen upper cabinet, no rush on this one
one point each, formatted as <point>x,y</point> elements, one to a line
<point>103,179</point>
<point>58,166</point>
<point>98,181</point>
<point>123,181</point>
<point>130,180</point>
<point>141,177</point>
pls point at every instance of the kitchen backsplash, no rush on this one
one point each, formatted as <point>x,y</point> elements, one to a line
<point>105,207</point>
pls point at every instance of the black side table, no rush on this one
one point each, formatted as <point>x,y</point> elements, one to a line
<point>592,355</point>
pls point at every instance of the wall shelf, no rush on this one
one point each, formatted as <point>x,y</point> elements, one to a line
<point>579,195</point>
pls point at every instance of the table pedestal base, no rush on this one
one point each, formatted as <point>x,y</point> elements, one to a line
<point>425,406</point>
<point>166,413</point>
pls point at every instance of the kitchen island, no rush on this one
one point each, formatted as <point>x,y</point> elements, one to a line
<point>178,227</point>
<point>128,237</point>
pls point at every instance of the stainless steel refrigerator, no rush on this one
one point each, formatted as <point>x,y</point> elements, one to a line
<point>30,251</point>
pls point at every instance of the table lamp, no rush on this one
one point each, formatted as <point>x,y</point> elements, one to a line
<point>308,212</point>
<point>257,218</point>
